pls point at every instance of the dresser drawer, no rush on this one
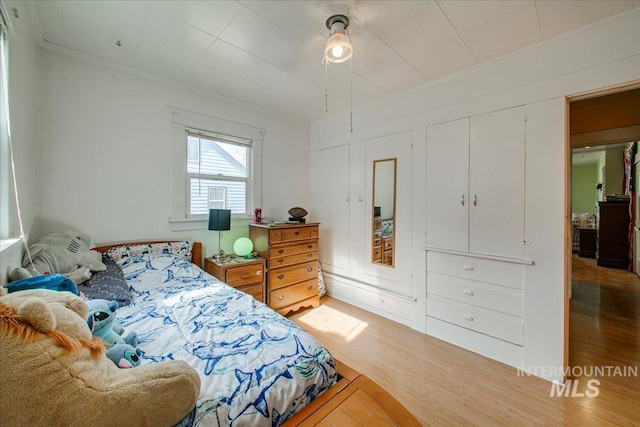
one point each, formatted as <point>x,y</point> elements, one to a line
<point>377,241</point>
<point>483,270</point>
<point>256,291</point>
<point>376,253</point>
<point>504,327</point>
<point>386,302</point>
<point>499,298</point>
<point>292,259</point>
<point>292,234</point>
<point>388,243</point>
<point>293,249</point>
<point>279,277</point>
<point>279,298</point>
<point>239,276</point>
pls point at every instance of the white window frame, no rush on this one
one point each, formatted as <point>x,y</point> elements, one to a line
<point>226,139</point>
<point>181,122</point>
<point>6,181</point>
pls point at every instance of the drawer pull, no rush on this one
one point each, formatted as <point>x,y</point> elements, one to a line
<point>245,276</point>
<point>309,246</point>
<point>280,297</point>
<point>468,267</point>
<point>280,251</point>
<point>468,317</point>
<point>381,301</point>
<point>309,255</point>
<point>280,260</point>
<point>468,292</point>
<point>309,287</point>
<point>309,269</point>
<point>296,232</point>
<point>280,276</point>
<point>259,273</point>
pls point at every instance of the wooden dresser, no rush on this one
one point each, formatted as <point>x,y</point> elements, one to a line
<point>613,234</point>
<point>245,275</point>
<point>291,251</point>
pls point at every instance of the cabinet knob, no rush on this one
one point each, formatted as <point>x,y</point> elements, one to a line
<point>462,200</point>
<point>309,246</point>
<point>280,251</point>
<point>468,267</point>
<point>468,292</point>
<point>468,317</point>
<point>259,273</point>
<point>280,297</point>
<point>309,287</point>
<point>280,259</point>
<point>309,269</point>
<point>309,255</point>
<point>280,276</point>
<point>475,200</point>
<point>296,232</point>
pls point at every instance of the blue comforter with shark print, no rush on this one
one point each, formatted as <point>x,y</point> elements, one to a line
<point>257,368</point>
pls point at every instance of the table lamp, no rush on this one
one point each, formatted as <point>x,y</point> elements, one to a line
<point>219,220</point>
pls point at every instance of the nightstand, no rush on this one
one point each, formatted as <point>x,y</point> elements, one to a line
<point>246,275</point>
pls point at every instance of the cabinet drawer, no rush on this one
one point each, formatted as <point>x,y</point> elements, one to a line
<point>239,276</point>
<point>254,290</point>
<point>377,241</point>
<point>376,253</point>
<point>388,243</point>
<point>483,270</point>
<point>390,304</point>
<point>504,327</point>
<point>387,257</point>
<point>480,294</point>
<point>291,294</point>
<point>293,249</point>
<point>279,277</point>
<point>292,259</point>
<point>292,234</point>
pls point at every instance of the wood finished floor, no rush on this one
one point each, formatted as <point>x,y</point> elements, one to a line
<point>444,385</point>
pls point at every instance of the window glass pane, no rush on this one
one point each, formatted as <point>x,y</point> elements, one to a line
<point>193,154</point>
<point>217,158</point>
<point>234,195</point>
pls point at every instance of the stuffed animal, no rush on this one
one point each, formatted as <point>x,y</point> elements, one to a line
<point>66,253</point>
<point>102,321</point>
<point>124,355</point>
<point>56,373</point>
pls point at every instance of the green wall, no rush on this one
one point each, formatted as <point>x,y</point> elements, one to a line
<point>583,188</point>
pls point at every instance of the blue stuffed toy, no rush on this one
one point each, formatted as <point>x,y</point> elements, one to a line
<point>124,356</point>
<point>101,321</point>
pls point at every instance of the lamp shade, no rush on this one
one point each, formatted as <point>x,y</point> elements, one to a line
<point>243,246</point>
<point>219,219</point>
<point>338,48</point>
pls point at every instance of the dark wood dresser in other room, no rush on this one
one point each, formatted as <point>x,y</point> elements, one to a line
<point>291,251</point>
<point>613,234</point>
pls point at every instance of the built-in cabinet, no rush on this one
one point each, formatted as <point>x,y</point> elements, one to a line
<point>475,184</point>
<point>475,233</point>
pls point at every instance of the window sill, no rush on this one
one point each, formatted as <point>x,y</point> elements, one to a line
<point>200,223</point>
<point>5,244</point>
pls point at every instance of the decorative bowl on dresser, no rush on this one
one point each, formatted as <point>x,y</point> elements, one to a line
<point>246,275</point>
<point>291,252</point>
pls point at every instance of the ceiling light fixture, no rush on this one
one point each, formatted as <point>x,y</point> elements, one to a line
<point>338,48</point>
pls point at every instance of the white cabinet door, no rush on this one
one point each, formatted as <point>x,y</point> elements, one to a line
<point>496,183</point>
<point>329,203</point>
<point>447,197</point>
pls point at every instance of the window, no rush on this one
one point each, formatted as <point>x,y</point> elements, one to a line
<point>218,173</point>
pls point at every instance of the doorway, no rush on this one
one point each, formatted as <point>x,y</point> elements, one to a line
<point>603,307</point>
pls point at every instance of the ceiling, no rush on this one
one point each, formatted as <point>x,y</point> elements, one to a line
<point>269,53</point>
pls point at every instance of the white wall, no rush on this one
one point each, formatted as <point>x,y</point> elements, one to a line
<point>107,147</point>
<point>24,67</point>
<point>540,77</point>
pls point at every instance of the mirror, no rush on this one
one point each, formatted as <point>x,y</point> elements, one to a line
<point>383,212</point>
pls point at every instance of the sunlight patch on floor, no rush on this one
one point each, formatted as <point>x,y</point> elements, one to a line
<point>329,320</point>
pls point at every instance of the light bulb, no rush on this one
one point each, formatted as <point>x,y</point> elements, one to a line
<point>337,51</point>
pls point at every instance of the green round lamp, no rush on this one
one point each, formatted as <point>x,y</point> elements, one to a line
<point>243,247</point>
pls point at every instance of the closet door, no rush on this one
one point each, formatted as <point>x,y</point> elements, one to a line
<point>329,205</point>
<point>496,183</point>
<point>447,198</point>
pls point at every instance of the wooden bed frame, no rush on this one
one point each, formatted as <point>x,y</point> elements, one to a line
<point>353,400</point>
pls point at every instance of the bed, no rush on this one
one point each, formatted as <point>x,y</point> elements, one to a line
<point>257,367</point>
